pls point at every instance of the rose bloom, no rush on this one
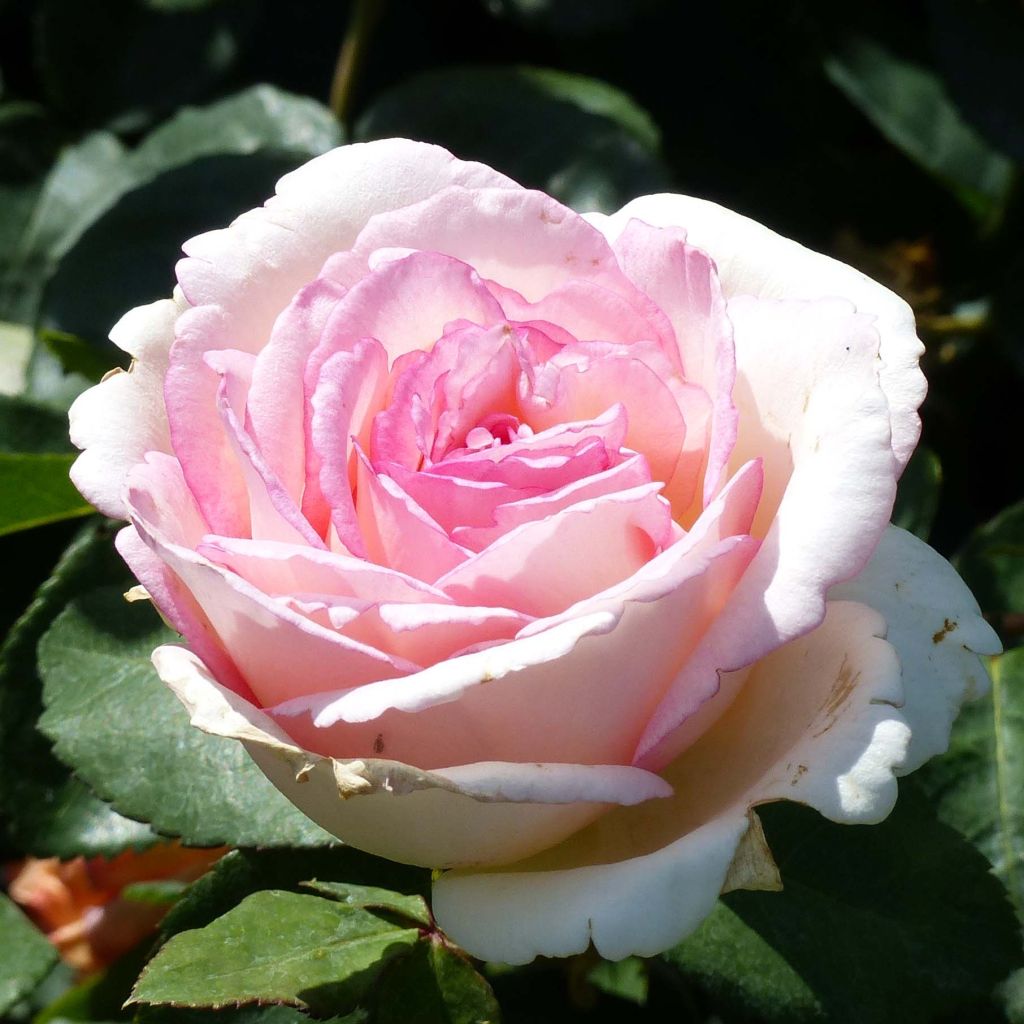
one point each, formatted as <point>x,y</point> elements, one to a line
<point>78,903</point>
<point>535,546</point>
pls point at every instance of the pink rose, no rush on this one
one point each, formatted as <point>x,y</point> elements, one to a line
<point>505,536</point>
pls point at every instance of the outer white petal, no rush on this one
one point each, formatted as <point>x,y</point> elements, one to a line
<point>938,632</point>
<point>123,417</point>
<point>815,722</point>
<point>754,260</point>
<point>468,814</point>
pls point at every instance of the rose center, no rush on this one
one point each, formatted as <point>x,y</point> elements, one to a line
<point>495,430</point>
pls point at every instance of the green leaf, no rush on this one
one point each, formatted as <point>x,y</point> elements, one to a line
<point>197,172</point>
<point>84,181</point>
<point>434,985</point>
<point>917,498</point>
<point>35,489</point>
<point>259,119</point>
<point>901,922</point>
<point>978,785</point>
<point>992,562</point>
<point>75,355</point>
<point>243,872</point>
<point>625,979</point>
<point>607,146</point>
<point>276,947</point>
<point>412,907</point>
<point>127,736</point>
<point>163,893</point>
<point>44,809</point>
<point>909,106</point>
<point>241,1015</point>
<point>27,955</point>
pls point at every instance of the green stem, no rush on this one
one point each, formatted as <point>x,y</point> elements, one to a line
<point>351,56</point>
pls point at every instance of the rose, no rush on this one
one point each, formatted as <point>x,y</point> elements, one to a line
<point>510,539</point>
<point>80,905</point>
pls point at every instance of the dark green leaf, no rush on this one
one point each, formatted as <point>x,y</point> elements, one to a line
<point>992,562</point>
<point>197,172</point>
<point>917,498</point>
<point>124,732</point>
<point>27,955</point>
<point>26,426</point>
<point>45,810</point>
<point>243,872</point>
<point>572,17</point>
<point>242,1015</point>
<point>978,785</point>
<point>899,922</point>
<point>35,489</point>
<point>908,105</point>
<point>412,907</point>
<point>434,985</point>
<point>75,355</point>
<point>577,138</point>
<point>743,972</point>
<point>980,49</point>
<point>84,182</point>
<point>135,62</point>
<point>276,947</point>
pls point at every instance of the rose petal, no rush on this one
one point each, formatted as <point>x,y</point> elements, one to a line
<point>811,406</point>
<point>938,632</point>
<point>542,567</point>
<point>122,418</point>
<point>474,813</point>
<point>815,722</point>
<point>754,260</point>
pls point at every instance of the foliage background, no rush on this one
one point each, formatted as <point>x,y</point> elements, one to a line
<point>889,135</point>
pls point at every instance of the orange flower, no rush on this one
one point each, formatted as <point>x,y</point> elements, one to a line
<point>79,903</point>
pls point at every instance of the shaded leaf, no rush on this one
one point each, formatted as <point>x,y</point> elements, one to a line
<point>917,497</point>
<point>126,735</point>
<point>992,562</point>
<point>46,811</point>
<point>434,985</point>
<point>978,785</point>
<point>29,427</point>
<point>900,922</point>
<point>276,947</point>
<point>28,956</point>
<point>572,17</point>
<point>980,50</point>
<point>122,69</point>
<point>414,908</point>
<point>197,172</point>
<point>243,872</point>
<point>908,104</point>
<point>579,139</point>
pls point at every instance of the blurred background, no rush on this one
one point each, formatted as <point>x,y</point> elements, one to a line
<point>889,135</point>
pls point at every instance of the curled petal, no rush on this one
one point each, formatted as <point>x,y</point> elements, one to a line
<point>936,627</point>
<point>816,721</point>
<point>464,814</point>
